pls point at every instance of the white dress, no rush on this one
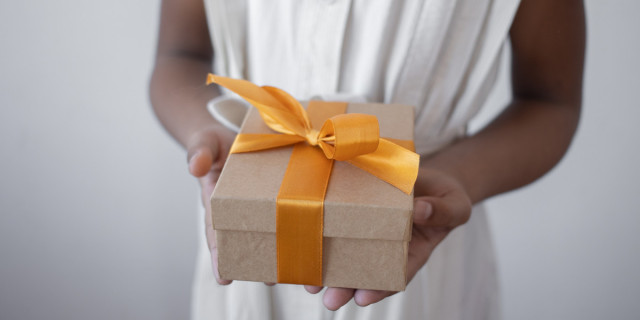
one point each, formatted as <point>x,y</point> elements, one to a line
<point>441,56</point>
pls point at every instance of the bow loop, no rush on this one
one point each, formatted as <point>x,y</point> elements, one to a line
<point>346,136</point>
<point>279,110</point>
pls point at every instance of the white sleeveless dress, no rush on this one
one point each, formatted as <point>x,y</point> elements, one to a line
<point>441,56</point>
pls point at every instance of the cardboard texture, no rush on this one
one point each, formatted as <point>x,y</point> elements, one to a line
<point>367,222</point>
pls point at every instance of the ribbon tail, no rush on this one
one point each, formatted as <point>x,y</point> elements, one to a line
<point>392,163</point>
<point>250,142</point>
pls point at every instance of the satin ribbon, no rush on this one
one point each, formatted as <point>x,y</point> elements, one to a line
<point>344,137</point>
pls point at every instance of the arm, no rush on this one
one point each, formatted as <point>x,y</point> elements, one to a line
<point>535,130</point>
<point>519,146</point>
<point>179,96</point>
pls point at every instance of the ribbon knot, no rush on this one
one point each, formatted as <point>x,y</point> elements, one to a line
<point>346,136</point>
<point>312,137</point>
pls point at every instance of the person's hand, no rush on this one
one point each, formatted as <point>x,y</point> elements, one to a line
<point>207,152</point>
<point>443,204</point>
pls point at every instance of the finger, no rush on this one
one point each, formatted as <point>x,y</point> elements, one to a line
<point>213,249</point>
<point>334,298</point>
<point>364,298</point>
<point>450,210</point>
<point>313,289</point>
<point>422,210</point>
<point>200,160</point>
<point>214,264</point>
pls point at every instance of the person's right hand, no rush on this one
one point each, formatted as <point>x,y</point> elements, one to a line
<point>207,151</point>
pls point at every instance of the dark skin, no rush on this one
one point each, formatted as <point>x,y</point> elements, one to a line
<point>523,143</point>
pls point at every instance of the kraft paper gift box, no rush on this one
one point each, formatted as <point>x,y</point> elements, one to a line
<point>367,221</point>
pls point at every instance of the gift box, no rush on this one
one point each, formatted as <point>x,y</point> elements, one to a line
<point>359,238</point>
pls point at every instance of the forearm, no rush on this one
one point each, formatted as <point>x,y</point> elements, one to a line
<point>521,145</point>
<point>179,95</point>
<point>535,130</point>
<point>183,58</point>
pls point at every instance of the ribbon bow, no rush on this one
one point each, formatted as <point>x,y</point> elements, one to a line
<point>345,137</point>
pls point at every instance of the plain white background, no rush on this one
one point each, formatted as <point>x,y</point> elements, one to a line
<point>98,213</point>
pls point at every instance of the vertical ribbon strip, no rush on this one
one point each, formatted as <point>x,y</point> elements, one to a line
<point>300,208</point>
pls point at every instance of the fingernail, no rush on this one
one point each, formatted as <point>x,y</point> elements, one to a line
<point>423,210</point>
<point>197,153</point>
<point>191,162</point>
<point>358,300</point>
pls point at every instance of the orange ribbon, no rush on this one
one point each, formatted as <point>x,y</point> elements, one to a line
<point>344,137</point>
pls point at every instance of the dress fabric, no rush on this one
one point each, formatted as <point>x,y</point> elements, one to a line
<point>441,56</point>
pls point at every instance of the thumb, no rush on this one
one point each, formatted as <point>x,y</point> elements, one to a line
<point>206,149</point>
<point>450,211</point>
<point>200,159</point>
<point>422,211</point>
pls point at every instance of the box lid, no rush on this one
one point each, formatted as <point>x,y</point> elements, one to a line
<point>357,204</point>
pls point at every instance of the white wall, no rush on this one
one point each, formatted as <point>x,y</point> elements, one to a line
<point>97,212</point>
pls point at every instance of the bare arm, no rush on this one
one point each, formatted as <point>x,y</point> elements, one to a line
<point>178,94</point>
<point>535,130</point>
<point>183,58</point>
<point>179,97</point>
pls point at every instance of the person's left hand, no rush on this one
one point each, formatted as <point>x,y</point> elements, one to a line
<point>444,205</point>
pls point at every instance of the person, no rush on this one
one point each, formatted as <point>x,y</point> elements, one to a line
<point>441,56</point>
